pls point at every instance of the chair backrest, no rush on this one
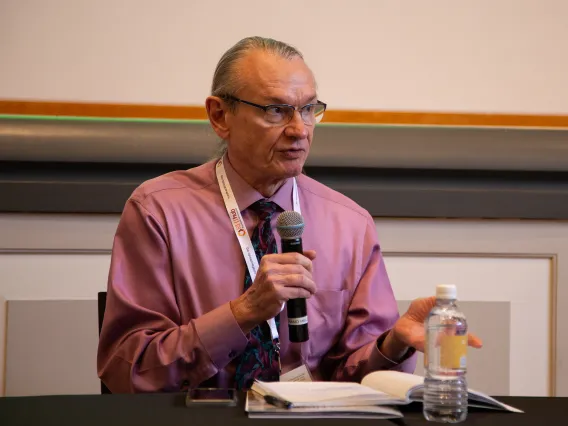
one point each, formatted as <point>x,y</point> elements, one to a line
<point>102,298</point>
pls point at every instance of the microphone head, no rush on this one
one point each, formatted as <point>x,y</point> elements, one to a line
<point>290,225</point>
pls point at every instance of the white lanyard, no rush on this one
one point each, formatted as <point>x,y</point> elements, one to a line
<point>241,230</point>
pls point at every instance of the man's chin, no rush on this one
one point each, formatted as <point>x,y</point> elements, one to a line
<point>293,170</point>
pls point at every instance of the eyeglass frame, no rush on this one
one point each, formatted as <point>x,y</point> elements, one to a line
<point>265,108</point>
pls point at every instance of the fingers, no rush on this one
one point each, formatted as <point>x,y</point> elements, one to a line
<point>430,300</point>
<point>474,341</point>
<point>280,277</point>
<point>289,274</point>
<point>289,259</point>
<point>288,269</point>
<point>299,280</point>
<point>295,293</point>
<point>420,308</point>
<point>424,303</point>
<point>310,254</point>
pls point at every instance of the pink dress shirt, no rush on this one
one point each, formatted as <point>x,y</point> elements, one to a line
<point>176,264</point>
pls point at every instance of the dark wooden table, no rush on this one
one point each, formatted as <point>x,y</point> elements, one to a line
<point>170,409</point>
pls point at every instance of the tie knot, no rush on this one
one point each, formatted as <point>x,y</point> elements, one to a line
<point>264,209</point>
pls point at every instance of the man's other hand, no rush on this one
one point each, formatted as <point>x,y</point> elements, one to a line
<point>408,331</point>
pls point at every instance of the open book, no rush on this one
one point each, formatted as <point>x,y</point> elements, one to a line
<point>380,388</point>
<point>257,407</point>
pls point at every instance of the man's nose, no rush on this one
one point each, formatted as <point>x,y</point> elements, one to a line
<point>296,128</point>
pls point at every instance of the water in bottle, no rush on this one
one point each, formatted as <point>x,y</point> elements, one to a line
<point>445,385</point>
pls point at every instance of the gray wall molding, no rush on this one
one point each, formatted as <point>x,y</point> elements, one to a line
<point>43,187</point>
<point>93,165</point>
<point>26,138</point>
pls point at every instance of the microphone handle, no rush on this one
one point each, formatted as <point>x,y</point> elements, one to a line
<point>297,312</point>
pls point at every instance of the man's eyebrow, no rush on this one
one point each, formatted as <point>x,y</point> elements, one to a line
<point>273,100</point>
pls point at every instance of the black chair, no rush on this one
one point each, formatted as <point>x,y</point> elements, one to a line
<point>102,298</point>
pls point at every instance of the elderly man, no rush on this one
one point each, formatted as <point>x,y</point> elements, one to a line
<point>185,308</point>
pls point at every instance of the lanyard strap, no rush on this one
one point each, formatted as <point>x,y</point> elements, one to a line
<point>241,230</point>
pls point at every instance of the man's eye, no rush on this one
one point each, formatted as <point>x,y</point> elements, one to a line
<point>276,111</point>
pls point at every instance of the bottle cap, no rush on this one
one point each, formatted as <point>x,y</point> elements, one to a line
<point>446,291</point>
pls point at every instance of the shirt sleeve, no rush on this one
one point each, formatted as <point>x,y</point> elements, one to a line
<point>371,314</point>
<point>143,347</point>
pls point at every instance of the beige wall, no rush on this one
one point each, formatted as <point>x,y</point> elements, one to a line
<point>445,55</point>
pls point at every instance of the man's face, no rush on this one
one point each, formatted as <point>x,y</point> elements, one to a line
<point>274,152</point>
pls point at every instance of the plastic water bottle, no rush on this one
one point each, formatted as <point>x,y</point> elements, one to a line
<point>445,354</point>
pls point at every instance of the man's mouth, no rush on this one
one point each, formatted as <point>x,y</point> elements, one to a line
<point>292,153</point>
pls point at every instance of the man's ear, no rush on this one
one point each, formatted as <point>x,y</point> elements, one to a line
<point>217,113</point>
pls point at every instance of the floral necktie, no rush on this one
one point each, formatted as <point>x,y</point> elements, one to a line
<point>260,357</point>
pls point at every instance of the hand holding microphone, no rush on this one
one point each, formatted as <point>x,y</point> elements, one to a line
<point>290,227</point>
<point>281,278</point>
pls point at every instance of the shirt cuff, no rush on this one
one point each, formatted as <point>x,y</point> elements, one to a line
<point>220,335</point>
<point>378,361</point>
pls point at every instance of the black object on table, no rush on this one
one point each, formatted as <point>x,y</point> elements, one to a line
<point>170,409</point>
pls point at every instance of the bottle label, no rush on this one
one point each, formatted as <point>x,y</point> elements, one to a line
<point>453,351</point>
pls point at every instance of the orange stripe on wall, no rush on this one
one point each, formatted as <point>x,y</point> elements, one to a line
<point>331,116</point>
<point>102,110</point>
<point>447,119</point>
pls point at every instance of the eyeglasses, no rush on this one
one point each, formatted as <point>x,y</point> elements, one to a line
<point>280,114</point>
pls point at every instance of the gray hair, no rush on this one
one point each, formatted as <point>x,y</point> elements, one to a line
<point>226,80</point>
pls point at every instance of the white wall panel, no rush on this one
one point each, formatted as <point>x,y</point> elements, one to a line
<point>3,315</point>
<point>53,276</point>
<point>524,282</point>
<point>521,262</point>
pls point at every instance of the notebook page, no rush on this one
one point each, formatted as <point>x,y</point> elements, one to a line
<point>489,401</point>
<point>321,393</point>
<point>395,383</point>
<point>258,408</point>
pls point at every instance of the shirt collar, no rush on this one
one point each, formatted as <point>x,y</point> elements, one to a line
<point>247,195</point>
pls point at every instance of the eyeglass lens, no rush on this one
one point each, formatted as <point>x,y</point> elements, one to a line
<point>311,113</point>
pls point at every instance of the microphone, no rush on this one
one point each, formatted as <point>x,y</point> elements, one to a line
<point>290,226</point>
